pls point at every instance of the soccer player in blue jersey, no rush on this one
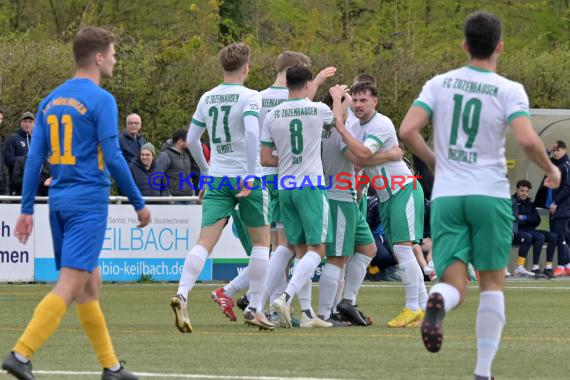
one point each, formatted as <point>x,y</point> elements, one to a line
<point>77,128</point>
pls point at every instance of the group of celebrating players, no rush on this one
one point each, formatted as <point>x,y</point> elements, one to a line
<point>280,133</point>
<point>305,142</point>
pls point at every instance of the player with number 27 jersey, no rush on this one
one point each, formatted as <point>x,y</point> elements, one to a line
<point>222,111</point>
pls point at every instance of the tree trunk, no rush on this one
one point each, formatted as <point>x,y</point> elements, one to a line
<point>56,18</point>
<point>427,16</point>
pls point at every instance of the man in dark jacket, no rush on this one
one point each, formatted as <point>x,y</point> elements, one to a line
<point>130,140</point>
<point>173,161</point>
<point>558,203</point>
<point>142,168</point>
<point>16,149</point>
<point>526,221</point>
<point>195,168</point>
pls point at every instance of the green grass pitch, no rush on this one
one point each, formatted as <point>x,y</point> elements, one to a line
<point>535,345</point>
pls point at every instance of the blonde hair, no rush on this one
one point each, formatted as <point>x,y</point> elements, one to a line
<point>234,56</point>
<point>291,58</point>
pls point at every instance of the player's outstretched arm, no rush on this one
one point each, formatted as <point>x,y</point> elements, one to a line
<point>416,119</point>
<point>36,157</point>
<point>319,80</point>
<point>120,171</point>
<point>534,149</point>
<point>379,158</point>
<point>195,147</point>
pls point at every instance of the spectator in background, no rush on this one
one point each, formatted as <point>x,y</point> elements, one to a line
<point>130,140</point>
<point>2,176</point>
<point>142,167</point>
<point>16,150</point>
<point>195,167</point>
<point>174,160</point>
<point>525,234</point>
<point>557,201</point>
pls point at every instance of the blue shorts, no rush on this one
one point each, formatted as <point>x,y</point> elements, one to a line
<point>78,238</point>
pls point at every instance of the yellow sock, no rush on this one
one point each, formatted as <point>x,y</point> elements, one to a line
<point>521,261</point>
<point>45,321</point>
<point>93,322</point>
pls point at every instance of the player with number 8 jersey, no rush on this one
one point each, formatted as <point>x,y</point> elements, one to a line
<point>294,128</point>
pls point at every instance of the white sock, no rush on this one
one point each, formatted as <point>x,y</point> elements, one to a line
<point>535,267</point>
<point>240,282</point>
<point>450,294</point>
<point>422,293</point>
<point>410,273</point>
<point>340,288</point>
<point>355,274</point>
<point>278,263</point>
<point>305,295</point>
<point>193,265</point>
<point>21,358</point>
<point>257,276</point>
<point>328,285</point>
<point>490,322</point>
<point>115,368</point>
<point>280,289</point>
<point>303,272</point>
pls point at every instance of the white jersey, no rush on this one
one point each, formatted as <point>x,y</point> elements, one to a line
<point>379,135</point>
<point>336,166</point>
<point>222,110</point>
<point>270,98</point>
<point>470,109</point>
<point>294,128</point>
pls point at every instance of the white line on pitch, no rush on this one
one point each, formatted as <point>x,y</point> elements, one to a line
<point>178,375</point>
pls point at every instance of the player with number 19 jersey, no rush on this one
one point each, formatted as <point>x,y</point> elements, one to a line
<point>470,109</point>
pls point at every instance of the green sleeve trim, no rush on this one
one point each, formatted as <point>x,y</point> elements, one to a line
<point>419,103</point>
<point>251,113</point>
<point>198,123</point>
<point>375,139</point>
<point>514,115</point>
<point>267,143</point>
<point>344,149</point>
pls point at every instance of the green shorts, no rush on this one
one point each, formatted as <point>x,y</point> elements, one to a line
<point>403,215</point>
<point>306,216</point>
<point>271,184</point>
<point>363,204</point>
<point>474,229</point>
<point>349,229</point>
<point>242,232</point>
<point>220,202</point>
